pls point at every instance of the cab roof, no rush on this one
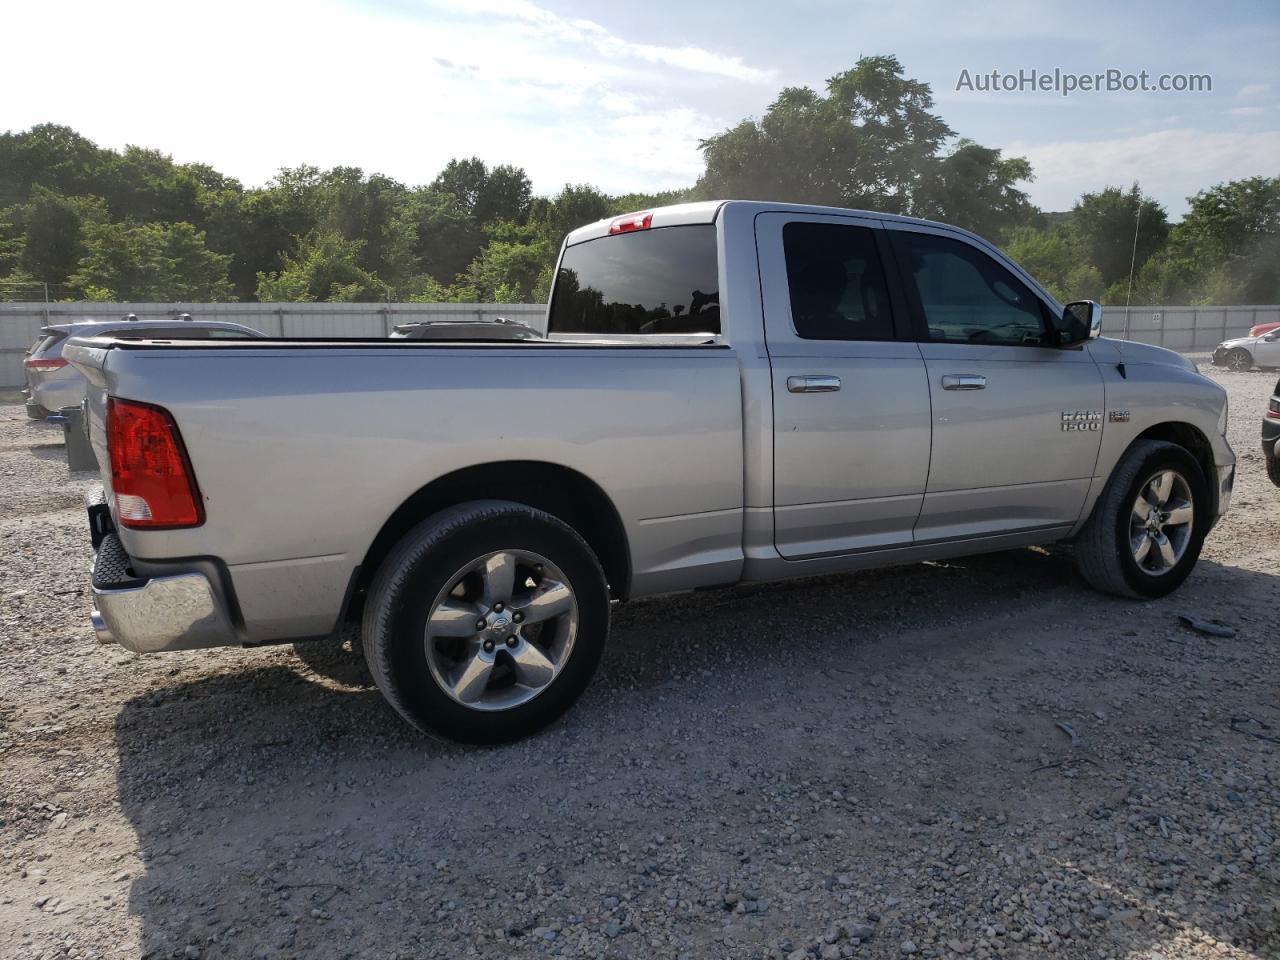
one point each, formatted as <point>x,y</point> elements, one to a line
<point>706,211</point>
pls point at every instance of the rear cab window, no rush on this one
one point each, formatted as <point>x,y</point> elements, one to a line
<point>658,281</point>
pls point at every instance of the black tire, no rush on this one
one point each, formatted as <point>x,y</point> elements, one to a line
<point>1102,549</point>
<point>1273,467</point>
<point>1239,360</point>
<point>420,567</point>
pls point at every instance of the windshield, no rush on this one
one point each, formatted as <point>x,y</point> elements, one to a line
<point>661,281</point>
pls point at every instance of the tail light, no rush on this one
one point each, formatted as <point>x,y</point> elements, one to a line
<point>44,363</point>
<point>632,221</point>
<point>151,477</point>
<point>1273,408</point>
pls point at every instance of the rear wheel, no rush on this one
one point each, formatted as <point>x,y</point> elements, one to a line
<point>486,622</point>
<point>1273,466</point>
<point>1239,360</point>
<point>1146,530</point>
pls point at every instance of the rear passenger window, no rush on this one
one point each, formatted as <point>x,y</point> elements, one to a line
<point>968,297</point>
<point>836,282</point>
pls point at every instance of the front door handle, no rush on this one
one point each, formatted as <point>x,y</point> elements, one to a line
<point>821,383</point>
<point>963,381</point>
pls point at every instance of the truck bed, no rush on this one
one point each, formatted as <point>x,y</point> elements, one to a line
<point>281,432</point>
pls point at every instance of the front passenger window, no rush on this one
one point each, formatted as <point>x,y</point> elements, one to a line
<point>968,297</point>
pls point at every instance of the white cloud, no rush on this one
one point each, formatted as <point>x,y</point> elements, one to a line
<point>1246,111</point>
<point>398,91</point>
<point>1254,90</point>
<point>1168,163</point>
<point>588,32</point>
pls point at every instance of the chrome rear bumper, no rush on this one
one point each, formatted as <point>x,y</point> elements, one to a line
<point>150,615</point>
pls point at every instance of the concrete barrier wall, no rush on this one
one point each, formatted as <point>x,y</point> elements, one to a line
<point>1179,328</point>
<point>1185,328</point>
<point>20,323</point>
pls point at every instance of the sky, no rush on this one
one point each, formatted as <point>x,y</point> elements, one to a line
<point>619,95</point>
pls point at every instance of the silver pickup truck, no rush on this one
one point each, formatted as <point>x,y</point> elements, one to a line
<point>726,392</point>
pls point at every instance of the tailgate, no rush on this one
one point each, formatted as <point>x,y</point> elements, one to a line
<point>89,356</point>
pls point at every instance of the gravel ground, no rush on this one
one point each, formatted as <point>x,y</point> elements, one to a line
<point>978,758</point>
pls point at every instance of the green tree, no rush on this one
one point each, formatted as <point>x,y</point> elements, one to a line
<point>260,228</point>
<point>1226,249</point>
<point>54,228</point>
<point>867,143</point>
<point>463,179</point>
<point>634,202</point>
<point>1235,227</point>
<point>324,267</point>
<point>975,187</point>
<point>151,261</point>
<point>441,235</point>
<point>52,156</point>
<point>488,196</point>
<point>364,209</point>
<point>504,196</point>
<point>514,265</point>
<point>573,207</point>
<point>1055,258</point>
<point>12,245</point>
<point>1104,224</point>
<point>146,186</point>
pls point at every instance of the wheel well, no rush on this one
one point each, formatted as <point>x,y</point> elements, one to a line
<point>560,491</point>
<point>1194,442</point>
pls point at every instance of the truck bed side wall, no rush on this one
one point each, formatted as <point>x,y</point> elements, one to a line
<point>301,454</point>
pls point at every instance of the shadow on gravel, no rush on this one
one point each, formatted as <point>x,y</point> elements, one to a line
<point>284,813</point>
<point>50,451</point>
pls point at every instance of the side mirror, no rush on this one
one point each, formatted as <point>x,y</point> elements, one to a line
<point>1081,321</point>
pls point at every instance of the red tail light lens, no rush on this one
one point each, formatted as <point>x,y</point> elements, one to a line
<point>151,476</point>
<point>48,363</point>
<point>632,221</point>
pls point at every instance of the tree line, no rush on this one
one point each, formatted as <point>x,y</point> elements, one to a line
<point>99,224</point>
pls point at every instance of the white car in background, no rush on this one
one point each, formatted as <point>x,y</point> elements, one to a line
<point>1245,353</point>
<point>52,383</point>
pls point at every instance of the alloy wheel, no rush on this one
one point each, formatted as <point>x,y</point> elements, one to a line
<point>1161,521</point>
<point>501,630</point>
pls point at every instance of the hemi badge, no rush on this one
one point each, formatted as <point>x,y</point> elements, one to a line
<point>1119,416</point>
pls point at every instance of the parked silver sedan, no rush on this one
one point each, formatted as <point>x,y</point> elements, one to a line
<point>52,383</point>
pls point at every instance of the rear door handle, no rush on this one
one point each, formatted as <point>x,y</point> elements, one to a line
<point>963,381</point>
<point>820,383</point>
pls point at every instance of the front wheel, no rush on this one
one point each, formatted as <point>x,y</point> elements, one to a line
<point>1146,530</point>
<point>486,622</point>
<point>1240,361</point>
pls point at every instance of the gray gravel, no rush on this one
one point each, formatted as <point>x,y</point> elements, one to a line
<point>877,765</point>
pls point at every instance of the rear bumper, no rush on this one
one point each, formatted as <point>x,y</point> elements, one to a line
<point>179,611</point>
<point>148,610</point>
<point>58,393</point>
